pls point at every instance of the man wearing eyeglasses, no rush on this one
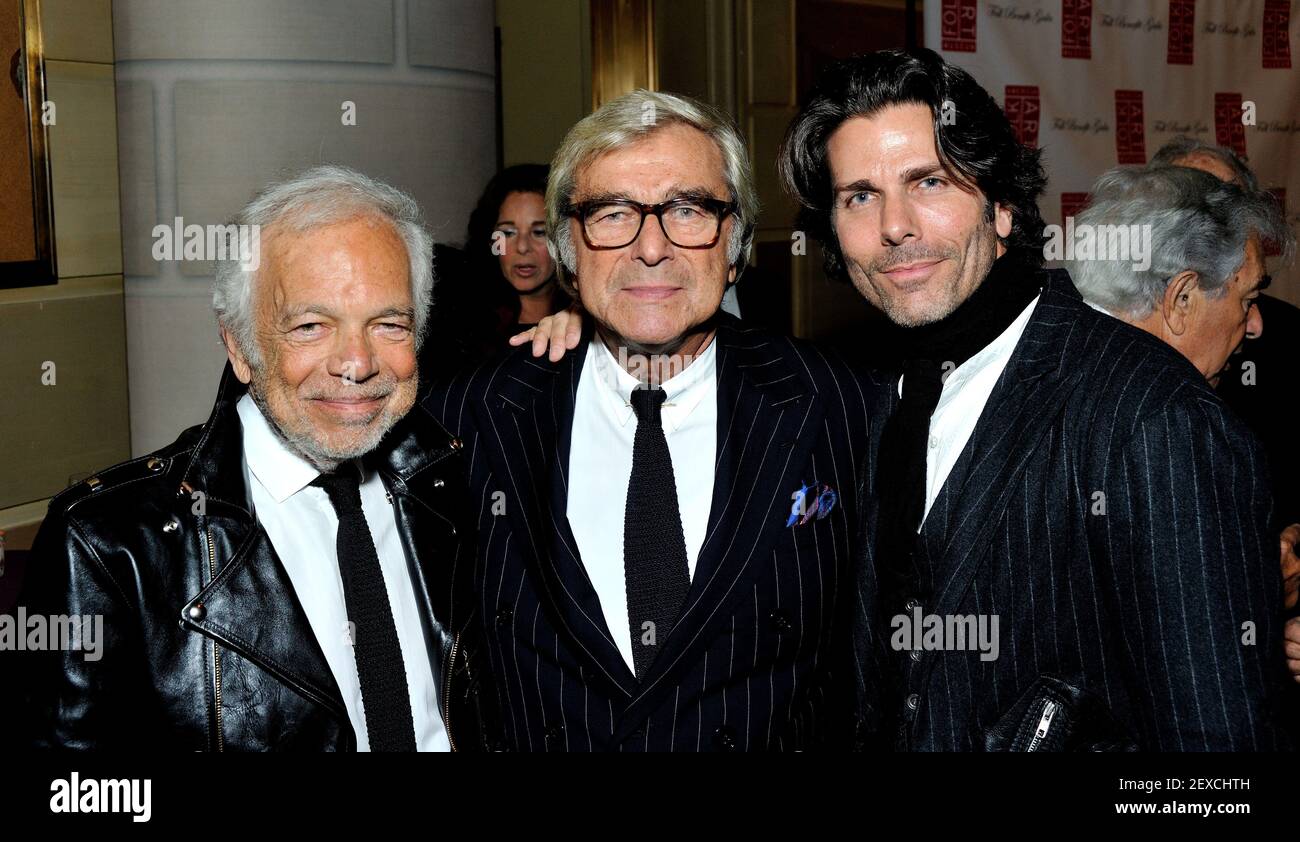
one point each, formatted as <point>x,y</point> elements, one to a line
<point>664,517</point>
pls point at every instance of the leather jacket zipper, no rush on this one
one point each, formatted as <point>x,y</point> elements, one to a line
<point>1044,725</point>
<point>446,692</point>
<point>216,650</point>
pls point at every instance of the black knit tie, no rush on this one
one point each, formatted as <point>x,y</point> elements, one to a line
<point>654,547</point>
<point>384,693</point>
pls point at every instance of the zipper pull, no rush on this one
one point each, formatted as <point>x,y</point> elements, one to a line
<point>1044,725</point>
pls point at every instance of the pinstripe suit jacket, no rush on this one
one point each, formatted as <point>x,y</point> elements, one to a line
<point>763,636</point>
<point>1114,515</point>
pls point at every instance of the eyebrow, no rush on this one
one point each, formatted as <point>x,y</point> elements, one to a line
<point>316,309</point>
<point>673,193</point>
<point>909,175</point>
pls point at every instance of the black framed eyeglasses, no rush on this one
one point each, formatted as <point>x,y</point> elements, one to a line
<point>689,222</point>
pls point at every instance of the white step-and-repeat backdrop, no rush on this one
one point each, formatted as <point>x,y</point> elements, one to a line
<point>1097,83</point>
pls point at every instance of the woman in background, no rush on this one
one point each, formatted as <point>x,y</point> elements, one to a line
<point>504,280</point>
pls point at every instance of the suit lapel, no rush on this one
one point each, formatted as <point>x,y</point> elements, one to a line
<point>529,420</point>
<point>768,419</point>
<point>1019,412</point>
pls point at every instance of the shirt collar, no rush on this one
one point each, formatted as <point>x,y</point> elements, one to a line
<point>281,472</point>
<point>999,348</point>
<point>685,389</point>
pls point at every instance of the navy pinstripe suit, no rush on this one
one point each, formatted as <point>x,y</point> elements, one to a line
<point>1114,515</point>
<point>752,659</point>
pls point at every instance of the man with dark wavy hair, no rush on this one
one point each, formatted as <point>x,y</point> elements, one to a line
<point>1068,542</point>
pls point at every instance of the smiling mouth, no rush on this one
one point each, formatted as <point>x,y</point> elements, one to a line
<point>651,293</point>
<point>911,272</point>
<point>351,406</point>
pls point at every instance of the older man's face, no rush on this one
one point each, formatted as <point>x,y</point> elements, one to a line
<point>916,243</point>
<point>651,295</point>
<point>335,327</point>
<point>1217,326</point>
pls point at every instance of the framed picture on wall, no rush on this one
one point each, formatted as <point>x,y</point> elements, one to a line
<point>26,204</point>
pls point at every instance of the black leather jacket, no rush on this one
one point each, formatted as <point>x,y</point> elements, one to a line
<point>206,646</point>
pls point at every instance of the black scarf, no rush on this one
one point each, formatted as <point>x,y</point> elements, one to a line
<point>1012,282</point>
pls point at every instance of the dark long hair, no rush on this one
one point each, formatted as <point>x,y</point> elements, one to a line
<point>483,267</point>
<point>975,140</point>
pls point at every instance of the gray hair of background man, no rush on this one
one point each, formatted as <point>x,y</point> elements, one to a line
<point>1197,223</point>
<point>624,121</point>
<point>320,196</point>
<point>1183,146</point>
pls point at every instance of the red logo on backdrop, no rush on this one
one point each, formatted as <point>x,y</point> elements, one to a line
<point>1277,26</point>
<point>958,17</point>
<point>1021,107</point>
<point>1072,203</point>
<point>1076,28</point>
<point>1272,247</point>
<point>1130,139</point>
<point>1182,23</point>
<point>1228,128</point>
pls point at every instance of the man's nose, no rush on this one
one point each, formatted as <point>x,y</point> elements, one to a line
<point>897,224</point>
<point>1254,322</point>
<point>652,244</point>
<point>354,359</point>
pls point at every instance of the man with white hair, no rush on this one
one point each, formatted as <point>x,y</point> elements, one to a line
<point>1206,264</point>
<point>1201,293</point>
<point>280,577</point>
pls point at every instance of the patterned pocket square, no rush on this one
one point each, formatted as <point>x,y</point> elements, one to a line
<point>811,501</point>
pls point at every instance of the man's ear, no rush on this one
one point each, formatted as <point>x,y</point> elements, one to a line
<point>1002,221</point>
<point>731,275</point>
<point>242,369</point>
<point>1180,301</point>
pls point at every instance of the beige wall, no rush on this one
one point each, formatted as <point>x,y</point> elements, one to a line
<point>57,434</point>
<point>545,74</point>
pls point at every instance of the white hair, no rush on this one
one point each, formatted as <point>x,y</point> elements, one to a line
<point>1197,222</point>
<point>624,121</point>
<point>322,195</point>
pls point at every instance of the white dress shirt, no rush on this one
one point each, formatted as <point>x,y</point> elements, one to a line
<point>965,391</point>
<point>300,521</point>
<point>600,466</point>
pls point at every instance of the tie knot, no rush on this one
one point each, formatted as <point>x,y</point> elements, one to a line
<point>342,485</point>
<point>646,401</point>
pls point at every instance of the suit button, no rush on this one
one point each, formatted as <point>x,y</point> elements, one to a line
<point>456,444</point>
<point>438,483</point>
<point>503,617</point>
<point>916,654</point>
<point>780,621</point>
<point>913,702</point>
<point>912,605</point>
<point>724,739</point>
<point>171,525</point>
<point>155,464</point>
<point>197,612</point>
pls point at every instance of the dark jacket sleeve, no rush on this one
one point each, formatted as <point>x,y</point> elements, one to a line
<point>84,695</point>
<point>1196,579</point>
